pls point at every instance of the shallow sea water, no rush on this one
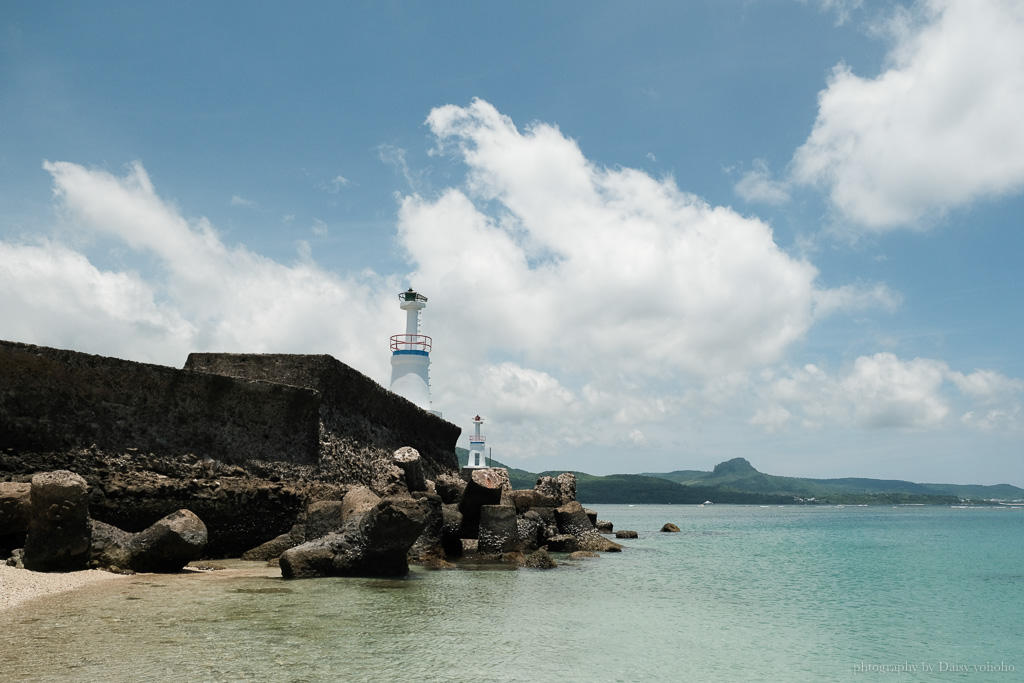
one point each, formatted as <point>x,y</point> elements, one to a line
<point>743,593</point>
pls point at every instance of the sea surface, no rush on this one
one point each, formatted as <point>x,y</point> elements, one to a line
<point>742,593</point>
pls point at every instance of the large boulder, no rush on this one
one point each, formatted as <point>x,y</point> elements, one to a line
<point>527,499</point>
<point>169,544</point>
<point>109,548</point>
<point>357,501</point>
<point>451,524</point>
<point>450,487</point>
<point>324,517</point>
<point>483,487</point>
<point>626,533</point>
<point>275,546</point>
<point>59,532</point>
<point>409,460</point>
<point>429,545</point>
<point>530,527</point>
<point>499,532</point>
<point>573,519</point>
<point>15,510</point>
<point>166,546</point>
<point>373,544</point>
<point>562,489</point>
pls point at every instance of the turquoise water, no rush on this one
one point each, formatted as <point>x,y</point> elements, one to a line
<point>741,594</point>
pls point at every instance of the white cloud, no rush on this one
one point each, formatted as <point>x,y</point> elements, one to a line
<point>334,185</point>
<point>589,268</point>
<point>757,185</point>
<point>884,392</point>
<point>203,296</point>
<point>54,296</point>
<point>842,8</point>
<point>938,129</point>
<point>856,297</point>
<point>240,201</point>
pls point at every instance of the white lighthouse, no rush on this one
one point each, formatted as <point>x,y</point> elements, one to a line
<point>410,354</point>
<point>476,446</point>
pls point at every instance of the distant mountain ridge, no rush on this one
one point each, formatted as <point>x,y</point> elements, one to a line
<point>740,474</point>
<point>737,481</point>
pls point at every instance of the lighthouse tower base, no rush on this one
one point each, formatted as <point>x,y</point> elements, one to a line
<point>409,377</point>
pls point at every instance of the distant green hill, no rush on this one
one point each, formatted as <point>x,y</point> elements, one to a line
<point>736,481</point>
<point>740,474</point>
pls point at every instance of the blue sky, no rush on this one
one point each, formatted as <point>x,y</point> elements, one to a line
<point>654,235</point>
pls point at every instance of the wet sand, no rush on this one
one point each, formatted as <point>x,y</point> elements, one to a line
<point>21,585</point>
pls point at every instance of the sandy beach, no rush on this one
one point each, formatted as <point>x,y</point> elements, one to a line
<point>20,585</point>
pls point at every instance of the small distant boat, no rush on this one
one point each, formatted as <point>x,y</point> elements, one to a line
<point>707,502</point>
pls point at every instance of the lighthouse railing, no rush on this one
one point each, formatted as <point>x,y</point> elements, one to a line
<point>410,342</point>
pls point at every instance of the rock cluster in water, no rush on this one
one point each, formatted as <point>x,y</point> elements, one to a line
<point>432,522</point>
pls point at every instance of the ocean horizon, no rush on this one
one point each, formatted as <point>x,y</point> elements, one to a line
<point>741,593</point>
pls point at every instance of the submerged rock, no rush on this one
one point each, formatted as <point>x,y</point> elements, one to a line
<point>540,559</point>
<point>563,543</point>
<point>626,533</point>
<point>597,543</point>
<point>670,527</point>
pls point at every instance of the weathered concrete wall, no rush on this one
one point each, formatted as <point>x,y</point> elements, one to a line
<point>354,407</point>
<point>244,441</point>
<point>51,400</point>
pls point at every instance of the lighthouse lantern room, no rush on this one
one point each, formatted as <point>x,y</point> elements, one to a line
<point>410,354</point>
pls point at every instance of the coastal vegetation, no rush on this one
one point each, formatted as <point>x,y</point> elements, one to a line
<point>737,481</point>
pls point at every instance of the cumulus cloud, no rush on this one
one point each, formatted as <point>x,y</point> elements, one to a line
<point>937,129</point>
<point>203,295</point>
<point>883,391</point>
<point>590,267</point>
<point>54,296</point>
<point>624,301</point>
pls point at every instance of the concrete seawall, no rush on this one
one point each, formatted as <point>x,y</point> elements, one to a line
<point>245,441</point>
